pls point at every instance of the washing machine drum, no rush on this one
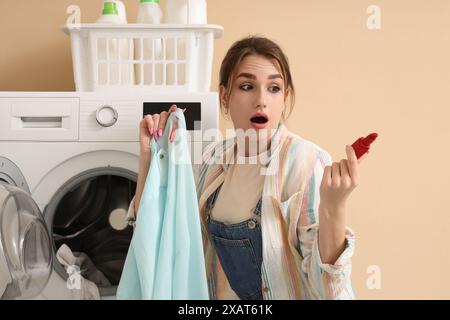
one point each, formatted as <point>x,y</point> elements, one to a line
<point>25,246</point>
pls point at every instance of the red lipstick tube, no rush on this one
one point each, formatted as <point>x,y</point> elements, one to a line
<point>362,145</point>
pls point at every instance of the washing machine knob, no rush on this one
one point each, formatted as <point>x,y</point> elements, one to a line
<point>106,116</point>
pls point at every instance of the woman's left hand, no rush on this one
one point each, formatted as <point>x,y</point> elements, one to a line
<point>338,181</point>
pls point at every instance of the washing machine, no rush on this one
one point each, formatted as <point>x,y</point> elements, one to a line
<point>76,156</point>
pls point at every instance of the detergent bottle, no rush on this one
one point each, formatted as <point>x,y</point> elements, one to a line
<point>147,70</point>
<point>122,10</point>
<point>186,12</point>
<point>197,12</point>
<point>149,12</point>
<point>115,55</point>
<point>110,13</point>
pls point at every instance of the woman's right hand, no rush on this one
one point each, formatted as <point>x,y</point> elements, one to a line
<point>152,126</point>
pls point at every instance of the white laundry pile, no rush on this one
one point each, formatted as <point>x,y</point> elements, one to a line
<point>78,266</point>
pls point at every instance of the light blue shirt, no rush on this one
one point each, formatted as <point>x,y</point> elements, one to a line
<point>165,259</point>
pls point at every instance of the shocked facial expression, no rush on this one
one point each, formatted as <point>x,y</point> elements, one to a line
<point>255,99</point>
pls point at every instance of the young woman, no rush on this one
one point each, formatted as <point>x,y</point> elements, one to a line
<point>260,211</point>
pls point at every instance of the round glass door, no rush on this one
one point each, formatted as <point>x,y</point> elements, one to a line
<point>25,246</point>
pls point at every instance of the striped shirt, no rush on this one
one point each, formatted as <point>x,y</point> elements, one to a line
<point>292,267</point>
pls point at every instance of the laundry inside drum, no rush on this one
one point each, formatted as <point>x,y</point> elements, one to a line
<point>91,220</point>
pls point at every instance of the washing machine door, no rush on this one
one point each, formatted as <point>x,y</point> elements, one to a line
<point>25,246</point>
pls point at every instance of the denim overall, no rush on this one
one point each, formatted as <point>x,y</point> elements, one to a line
<point>239,248</point>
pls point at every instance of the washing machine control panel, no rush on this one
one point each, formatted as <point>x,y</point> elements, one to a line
<point>99,116</point>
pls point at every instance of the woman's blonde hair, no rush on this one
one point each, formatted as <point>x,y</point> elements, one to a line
<point>258,46</point>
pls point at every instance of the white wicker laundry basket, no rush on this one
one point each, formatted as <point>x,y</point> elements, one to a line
<point>142,58</point>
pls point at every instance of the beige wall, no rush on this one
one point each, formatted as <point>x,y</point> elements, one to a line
<point>350,81</point>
